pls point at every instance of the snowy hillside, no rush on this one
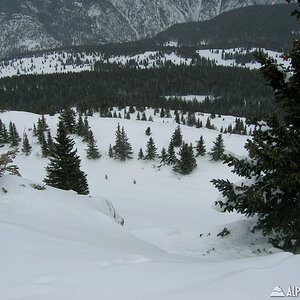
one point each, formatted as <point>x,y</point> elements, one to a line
<point>59,245</point>
<point>63,62</point>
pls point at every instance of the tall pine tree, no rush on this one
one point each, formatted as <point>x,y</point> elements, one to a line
<point>63,171</point>
<point>271,186</point>
<point>217,151</point>
<point>151,150</point>
<point>122,149</point>
<point>186,162</point>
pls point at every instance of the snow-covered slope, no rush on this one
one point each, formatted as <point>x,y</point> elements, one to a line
<point>59,245</point>
<point>63,62</point>
<point>38,24</point>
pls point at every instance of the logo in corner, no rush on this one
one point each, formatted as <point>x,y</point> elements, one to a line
<point>277,292</point>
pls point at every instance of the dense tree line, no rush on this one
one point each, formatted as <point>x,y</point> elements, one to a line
<point>236,90</point>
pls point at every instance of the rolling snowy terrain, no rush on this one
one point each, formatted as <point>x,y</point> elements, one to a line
<point>59,245</point>
<point>63,62</point>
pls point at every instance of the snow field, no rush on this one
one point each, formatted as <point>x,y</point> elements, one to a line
<point>59,245</point>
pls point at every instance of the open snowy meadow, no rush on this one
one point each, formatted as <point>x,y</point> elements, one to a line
<point>57,245</point>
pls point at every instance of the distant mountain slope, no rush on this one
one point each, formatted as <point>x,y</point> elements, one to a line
<point>255,26</point>
<point>38,24</point>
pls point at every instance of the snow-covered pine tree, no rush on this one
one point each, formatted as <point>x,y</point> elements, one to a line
<point>122,149</point>
<point>271,188</point>
<point>110,151</point>
<point>148,131</point>
<point>80,126</point>
<point>92,152</point>
<point>67,116</point>
<point>13,135</point>
<point>217,151</point>
<point>186,162</point>
<point>26,148</point>
<point>171,156</point>
<point>44,145</point>
<point>63,171</point>
<point>86,129</point>
<point>200,147</point>
<point>163,156</point>
<point>141,154</point>
<point>50,142</point>
<point>151,150</point>
<point>176,138</point>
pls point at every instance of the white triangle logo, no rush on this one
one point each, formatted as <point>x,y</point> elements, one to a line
<point>277,292</point>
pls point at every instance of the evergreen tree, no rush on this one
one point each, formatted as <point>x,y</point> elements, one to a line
<point>171,156</point>
<point>26,148</point>
<point>63,171</point>
<point>177,117</point>
<point>177,137</point>
<point>122,148</point>
<point>151,150</point>
<point>110,151</point>
<point>131,109</point>
<point>92,150</point>
<point>187,162</point>
<point>3,134</point>
<point>80,128</point>
<point>270,190</point>
<point>163,156</point>
<point>34,131</point>
<point>200,147</point>
<point>138,117</point>
<point>68,118</point>
<point>86,129</point>
<point>217,151</point>
<point>208,124</point>
<point>44,145</point>
<point>148,131</point>
<point>141,154</point>
<point>144,118</point>
<point>50,143</point>
<point>13,136</point>
<point>191,119</point>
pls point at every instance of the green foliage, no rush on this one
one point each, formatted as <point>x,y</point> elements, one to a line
<point>176,138</point>
<point>122,149</point>
<point>217,151</point>
<point>67,116</point>
<point>63,171</point>
<point>92,151</point>
<point>171,156</point>
<point>163,156</point>
<point>151,150</point>
<point>237,90</point>
<point>187,162</point>
<point>270,189</point>
<point>141,154</point>
<point>26,148</point>
<point>13,135</point>
<point>200,147</point>
<point>148,131</point>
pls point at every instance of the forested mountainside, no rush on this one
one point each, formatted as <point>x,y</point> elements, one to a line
<point>252,26</point>
<point>38,24</point>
